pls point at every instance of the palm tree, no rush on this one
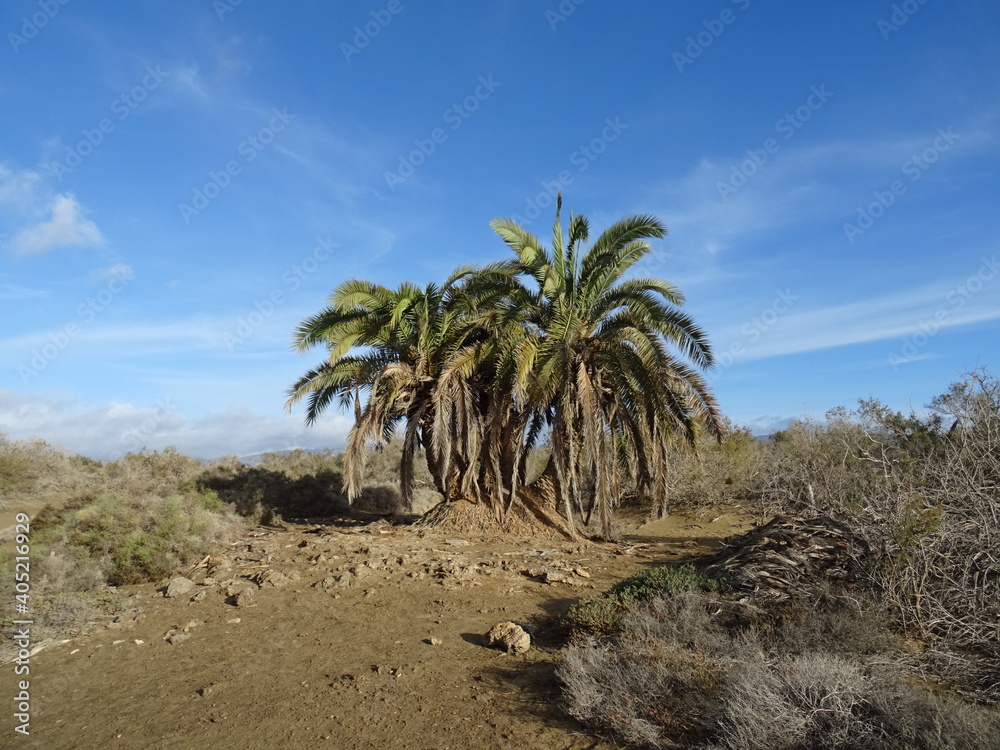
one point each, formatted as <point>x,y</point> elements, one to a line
<point>604,364</point>
<point>554,341</point>
<point>386,347</point>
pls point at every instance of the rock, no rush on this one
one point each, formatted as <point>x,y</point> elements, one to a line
<point>246,598</point>
<point>237,586</point>
<point>331,582</point>
<point>509,637</point>
<point>433,641</point>
<point>272,577</point>
<point>177,638</point>
<point>126,620</point>
<point>199,595</point>
<point>179,586</point>
<point>547,575</point>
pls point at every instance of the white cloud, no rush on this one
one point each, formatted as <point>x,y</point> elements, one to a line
<point>66,226</point>
<point>110,430</point>
<point>18,190</point>
<point>118,271</point>
<point>40,219</point>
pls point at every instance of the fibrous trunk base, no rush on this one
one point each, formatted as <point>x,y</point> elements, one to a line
<point>524,519</point>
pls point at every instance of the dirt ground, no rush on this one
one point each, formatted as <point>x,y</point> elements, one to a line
<point>352,635</point>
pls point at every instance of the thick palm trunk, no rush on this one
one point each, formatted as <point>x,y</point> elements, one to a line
<point>532,510</point>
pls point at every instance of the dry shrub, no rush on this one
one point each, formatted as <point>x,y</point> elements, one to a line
<point>656,681</point>
<point>136,519</point>
<point>807,468</point>
<point>33,468</point>
<point>946,578</point>
<point>923,490</point>
<point>691,671</point>
<point>820,700</point>
<point>151,472</point>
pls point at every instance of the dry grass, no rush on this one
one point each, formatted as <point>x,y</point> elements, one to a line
<point>691,671</point>
<point>36,469</point>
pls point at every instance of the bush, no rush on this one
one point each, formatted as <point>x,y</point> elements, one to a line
<point>145,539</point>
<point>602,614</point>
<point>35,468</point>
<point>922,490</point>
<point>690,671</point>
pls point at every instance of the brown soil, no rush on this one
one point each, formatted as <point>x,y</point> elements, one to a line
<point>356,636</point>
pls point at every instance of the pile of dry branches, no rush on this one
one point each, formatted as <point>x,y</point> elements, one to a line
<point>791,557</point>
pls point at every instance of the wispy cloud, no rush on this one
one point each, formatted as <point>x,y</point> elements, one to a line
<point>18,189</point>
<point>933,307</point>
<point>13,291</point>
<point>135,339</point>
<point>796,185</point>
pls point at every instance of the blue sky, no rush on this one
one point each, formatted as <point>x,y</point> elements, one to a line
<point>181,183</point>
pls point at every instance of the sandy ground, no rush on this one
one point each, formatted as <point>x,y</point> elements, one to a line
<point>354,636</point>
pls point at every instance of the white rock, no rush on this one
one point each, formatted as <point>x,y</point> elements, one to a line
<point>509,637</point>
<point>179,586</point>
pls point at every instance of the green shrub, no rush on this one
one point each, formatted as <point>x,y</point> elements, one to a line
<point>210,500</point>
<point>602,614</point>
<point>138,539</point>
